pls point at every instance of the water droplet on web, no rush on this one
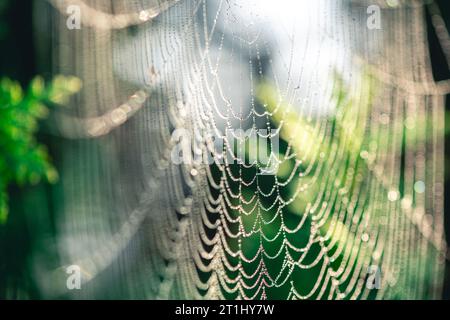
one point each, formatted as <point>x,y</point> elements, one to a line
<point>144,15</point>
<point>393,195</point>
<point>419,186</point>
<point>365,237</point>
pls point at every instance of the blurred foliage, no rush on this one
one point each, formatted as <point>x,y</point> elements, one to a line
<point>302,148</point>
<point>24,161</point>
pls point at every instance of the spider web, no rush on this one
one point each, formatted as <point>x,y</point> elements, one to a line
<point>358,179</point>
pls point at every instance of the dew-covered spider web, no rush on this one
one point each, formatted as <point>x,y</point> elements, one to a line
<point>161,194</point>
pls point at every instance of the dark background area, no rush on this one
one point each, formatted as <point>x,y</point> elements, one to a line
<point>17,61</point>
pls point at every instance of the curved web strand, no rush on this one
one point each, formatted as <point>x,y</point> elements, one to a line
<point>354,124</point>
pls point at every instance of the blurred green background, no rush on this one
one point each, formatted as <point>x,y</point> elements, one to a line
<point>30,205</point>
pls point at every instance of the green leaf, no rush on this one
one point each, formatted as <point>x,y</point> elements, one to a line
<point>22,159</point>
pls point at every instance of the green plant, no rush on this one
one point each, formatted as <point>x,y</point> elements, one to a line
<point>23,160</point>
